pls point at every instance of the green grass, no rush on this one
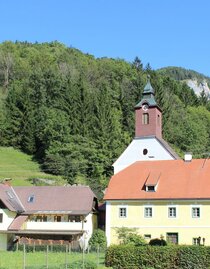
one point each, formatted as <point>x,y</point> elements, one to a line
<point>39,260</point>
<point>20,167</point>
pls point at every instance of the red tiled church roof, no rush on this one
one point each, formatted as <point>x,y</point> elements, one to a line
<point>175,179</point>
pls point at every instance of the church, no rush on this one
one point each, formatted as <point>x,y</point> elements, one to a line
<point>148,144</point>
<point>153,190</point>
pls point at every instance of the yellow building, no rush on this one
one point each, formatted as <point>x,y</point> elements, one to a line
<point>168,198</point>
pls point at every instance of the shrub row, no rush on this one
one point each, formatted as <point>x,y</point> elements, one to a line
<point>155,257</point>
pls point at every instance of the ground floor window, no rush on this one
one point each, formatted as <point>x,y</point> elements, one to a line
<point>196,241</point>
<point>172,238</point>
<point>1,217</point>
<point>147,236</point>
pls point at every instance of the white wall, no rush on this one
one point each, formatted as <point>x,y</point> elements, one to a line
<point>134,152</point>
<point>3,241</point>
<point>8,217</point>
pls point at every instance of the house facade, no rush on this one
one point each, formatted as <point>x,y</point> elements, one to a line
<point>155,192</point>
<point>161,199</point>
<point>46,214</point>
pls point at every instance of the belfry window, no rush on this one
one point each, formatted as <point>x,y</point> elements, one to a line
<point>145,118</point>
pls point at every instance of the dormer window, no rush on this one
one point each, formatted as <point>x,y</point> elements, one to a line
<point>150,188</point>
<point>152,181</point>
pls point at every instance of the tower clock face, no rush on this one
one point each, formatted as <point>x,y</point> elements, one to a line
<point>145,107</point>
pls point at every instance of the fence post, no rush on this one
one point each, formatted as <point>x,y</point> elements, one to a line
<point>83,258</point>
<point>98,255</point>
<point>47,256</point>
<point>24,256</point>
<point>66,260</point>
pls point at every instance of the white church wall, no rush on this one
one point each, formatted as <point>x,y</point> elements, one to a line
<point>142,149</point>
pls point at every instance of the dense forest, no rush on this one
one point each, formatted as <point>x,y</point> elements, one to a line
<point>75,113</point>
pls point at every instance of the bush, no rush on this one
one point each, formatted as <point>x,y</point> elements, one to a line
<point>98,239</point>
<point>157,242</point>
<point>130,236</point>
<point>136,240</point>
<point>165,257</point>
<point>194,257</point>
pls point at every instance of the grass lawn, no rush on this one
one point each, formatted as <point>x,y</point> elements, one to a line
<point>40,260</point>
<point>19,167</point>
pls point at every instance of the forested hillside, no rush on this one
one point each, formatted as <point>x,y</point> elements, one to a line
<point>179,73</point>
<point>75,113</point>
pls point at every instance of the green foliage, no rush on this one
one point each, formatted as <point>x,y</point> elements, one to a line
<point>129,236</point>
<point>21,167</point>
<point>167,257</point>
<point>85,265</point>
<point>98,239</point>
<point>135,239</point>
<point>179,73</point>
<point>75,113</point>
<point>157,242</point>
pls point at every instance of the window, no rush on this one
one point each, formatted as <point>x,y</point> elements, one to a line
<point>172,238</point>
<point>57,218</point>
<point>145,118</point>
<point>31,199</point>
<point>39,218</point>
<point>196,212</point>
<point>74,218</point>
<point>123,212</point>
<point>197,240</point>
<point>172,212</point>
<point>158,120</point>
<point>147,236</point>
<point>1,218</point>
<point>148,212</point>
<point>150,188</point>
<point>145,151</point>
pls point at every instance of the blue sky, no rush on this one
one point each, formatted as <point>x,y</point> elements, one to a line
<point>161,32</point>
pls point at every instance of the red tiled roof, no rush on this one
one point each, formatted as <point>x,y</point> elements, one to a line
<point>177,180</point>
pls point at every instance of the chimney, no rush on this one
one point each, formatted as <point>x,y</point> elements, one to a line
<point>188,157</point>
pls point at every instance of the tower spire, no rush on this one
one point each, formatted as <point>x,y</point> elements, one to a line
<point>148,114</point>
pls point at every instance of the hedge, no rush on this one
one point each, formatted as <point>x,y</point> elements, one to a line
<point>156,257</point>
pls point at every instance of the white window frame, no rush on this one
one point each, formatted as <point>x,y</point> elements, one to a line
<point>195,216</point>
<point>172,216</point>
<point>147,214</point>
<point>121,216</point>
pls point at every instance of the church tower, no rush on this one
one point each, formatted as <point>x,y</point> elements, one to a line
<point>148,144</point>
<point>148,115</point>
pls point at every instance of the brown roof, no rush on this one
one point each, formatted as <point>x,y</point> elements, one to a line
<point>59,199</point>
<point>73,199</point>
<point>17,223</point>
<point>176,179</point>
